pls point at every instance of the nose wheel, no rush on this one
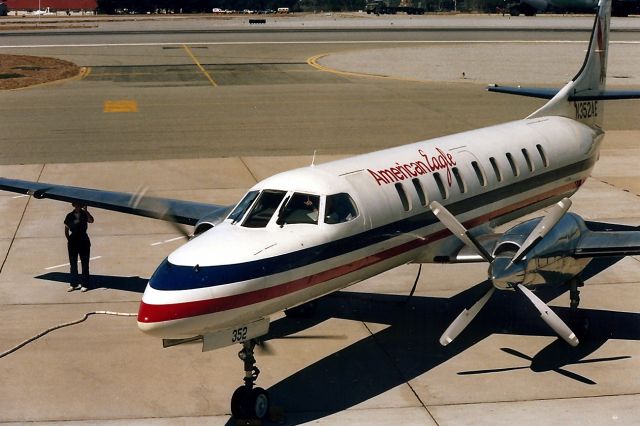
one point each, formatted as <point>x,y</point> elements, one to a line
<point>249,402</point>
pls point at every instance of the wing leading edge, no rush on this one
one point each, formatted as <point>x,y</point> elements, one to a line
<point>184,212</point>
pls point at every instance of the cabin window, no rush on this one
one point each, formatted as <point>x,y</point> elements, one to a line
<point>459,180</point>
<point>530,166</point>
<point>263,208</point>
<point>421,196</point>
<point>479,173</point>
<point>243,206</point>
<point>406,205</point>
<point>443,189</point>
<point>299,208</point>
<point>340,208</point>
<point>512,163</point>
<point>496,169</point>
<point>543,156</point>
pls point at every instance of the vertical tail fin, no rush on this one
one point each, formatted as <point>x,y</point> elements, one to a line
<point>578,99</point>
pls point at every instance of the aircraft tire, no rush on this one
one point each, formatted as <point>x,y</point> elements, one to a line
<point>240,407</point>
<point>250,403</point>
<point>259,403</point>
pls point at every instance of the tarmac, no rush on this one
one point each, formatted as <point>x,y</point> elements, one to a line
<point>368,356</point>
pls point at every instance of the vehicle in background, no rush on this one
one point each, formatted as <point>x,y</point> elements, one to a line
<point>531,7</point>
<point>4,10</point>
<point>284,10</point>
<point>381,7</point>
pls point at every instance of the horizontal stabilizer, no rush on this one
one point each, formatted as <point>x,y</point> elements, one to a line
<point>545,93</point>
<point>607,95</point>
<point>532,92</point>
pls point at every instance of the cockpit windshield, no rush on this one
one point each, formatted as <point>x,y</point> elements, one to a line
<point>263,208</point>
<point>242,206</point>
<point>300,208</point>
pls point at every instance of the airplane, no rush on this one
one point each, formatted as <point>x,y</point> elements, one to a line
<point>42,12</point>
<point>308,232</point>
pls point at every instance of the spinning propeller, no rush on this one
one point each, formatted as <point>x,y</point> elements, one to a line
<point>157,208</point>
<point>505,272</point>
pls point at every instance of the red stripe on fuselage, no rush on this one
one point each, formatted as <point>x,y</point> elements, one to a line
<point>149,313</point>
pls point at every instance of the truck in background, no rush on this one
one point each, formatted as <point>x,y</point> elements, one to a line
<point>382,7</point>
<point>531,7</point>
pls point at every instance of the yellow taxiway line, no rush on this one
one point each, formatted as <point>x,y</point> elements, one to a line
<point>199,65</point>
<point>313,61</point>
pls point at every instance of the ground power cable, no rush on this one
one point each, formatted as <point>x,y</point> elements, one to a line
<point>67,324</point>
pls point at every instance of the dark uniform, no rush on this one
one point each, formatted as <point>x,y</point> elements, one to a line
<point>78,244</point>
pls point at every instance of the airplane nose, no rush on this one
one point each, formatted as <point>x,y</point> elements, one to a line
<point>146,317</point>
<point>506,275</point>
<point>173,305</point>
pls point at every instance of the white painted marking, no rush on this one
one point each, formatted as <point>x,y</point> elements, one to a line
<point>240,43</point>
<point>157,243</point>
<point>67,264</point>
<point>174,239</point>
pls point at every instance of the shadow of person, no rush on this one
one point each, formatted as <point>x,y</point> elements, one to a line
<point>132,284</point>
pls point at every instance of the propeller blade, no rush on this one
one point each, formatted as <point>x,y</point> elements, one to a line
<point>550,317</point>
<point>265,348</point>
<point>157,210</point>
<point>465,317</point>
<point>544,226</point>
<point>457,229</point>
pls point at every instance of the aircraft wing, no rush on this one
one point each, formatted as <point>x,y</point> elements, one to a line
<point>609,244</point>
<point>185,212</point>
<point>464,254</point>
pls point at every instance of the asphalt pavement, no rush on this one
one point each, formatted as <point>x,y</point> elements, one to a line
<point>148,115</point>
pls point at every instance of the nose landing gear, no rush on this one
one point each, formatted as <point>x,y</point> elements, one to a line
<point>249,402</point>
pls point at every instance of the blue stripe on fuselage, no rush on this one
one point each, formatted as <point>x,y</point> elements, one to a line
<point>173,277</point>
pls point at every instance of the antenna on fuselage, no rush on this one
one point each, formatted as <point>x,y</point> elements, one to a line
<point>313,160</point>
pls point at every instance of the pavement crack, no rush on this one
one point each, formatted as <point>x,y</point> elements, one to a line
<point>248,169</point>
<point>399,371</point>
<point>15,233</point>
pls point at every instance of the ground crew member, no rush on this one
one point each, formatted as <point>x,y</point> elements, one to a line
<point>78,244</point>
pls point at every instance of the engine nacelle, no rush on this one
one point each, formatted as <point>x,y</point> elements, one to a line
<point>549,262</point>
<point>211,220</point>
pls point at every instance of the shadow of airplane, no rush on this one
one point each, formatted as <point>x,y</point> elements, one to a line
<point>409,346</point>
<point>132,284</point>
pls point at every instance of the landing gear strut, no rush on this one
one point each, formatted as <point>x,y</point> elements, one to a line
<point>574,293</point>
<point>248,402</point>
<point>580,323</point>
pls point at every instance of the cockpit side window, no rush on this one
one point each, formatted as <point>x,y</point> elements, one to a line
<point>263,208</point>
<point>243,206</point>
<point>340,208</point>
<point>300,208</point>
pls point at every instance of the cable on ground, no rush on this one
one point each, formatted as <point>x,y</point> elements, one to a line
<point>67,324</point>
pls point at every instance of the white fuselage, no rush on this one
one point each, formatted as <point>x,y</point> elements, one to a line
<point>235,273</point>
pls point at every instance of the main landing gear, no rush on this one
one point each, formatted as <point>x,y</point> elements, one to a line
<point>247,402</point>
<point>579,322</point>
